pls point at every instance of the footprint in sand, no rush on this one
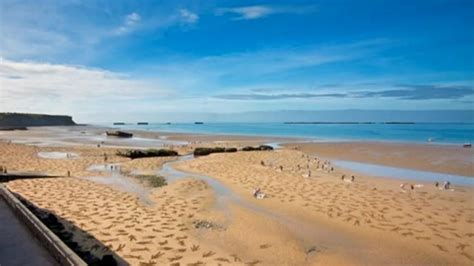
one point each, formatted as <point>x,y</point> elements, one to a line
<point>440,247</point>
<point>208,254</point>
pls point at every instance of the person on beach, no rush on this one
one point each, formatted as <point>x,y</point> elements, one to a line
<point>446,185</point>
<point>281,167</point>
<point>342,177</point>
<point>68,173</point>
<point>262,163</point>
<point>256,192</point>
<point>436,184</point>
<point>352,178</point>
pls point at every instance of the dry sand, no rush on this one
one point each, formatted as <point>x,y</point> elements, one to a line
<point>317,220</point>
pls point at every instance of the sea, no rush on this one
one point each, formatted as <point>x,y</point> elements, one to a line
<point>441,133</point>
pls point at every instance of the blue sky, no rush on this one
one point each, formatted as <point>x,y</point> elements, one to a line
<point>87,58</point>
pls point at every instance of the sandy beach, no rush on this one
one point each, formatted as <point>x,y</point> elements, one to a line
<point>309,215</point>
<point>254,133</point>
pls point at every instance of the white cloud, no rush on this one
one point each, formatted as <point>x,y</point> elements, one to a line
<point>261,11</point>
<point>188,16</point>
<point>130,22</point>
<point>246,12</point>
<point>33,86</point>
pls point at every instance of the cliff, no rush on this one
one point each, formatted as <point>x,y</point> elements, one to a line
<point>31,120</point>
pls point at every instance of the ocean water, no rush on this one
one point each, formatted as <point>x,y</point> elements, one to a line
<point>448,133</point>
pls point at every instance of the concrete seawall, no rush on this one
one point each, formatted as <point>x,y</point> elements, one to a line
<point>58,250</point>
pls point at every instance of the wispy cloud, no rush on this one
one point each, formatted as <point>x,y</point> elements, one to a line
<point>406,92</point>
<point>41,85</point>
<point>130,23</point>
<point>421,92</point>
<point>257,97</point>
<point>188,16</point>
<point>246,12</point>
<point>72,26</point>
<point>266,63</point>
<point>261,11</point>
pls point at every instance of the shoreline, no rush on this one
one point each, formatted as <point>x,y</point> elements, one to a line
<point>354,151</point>
<point>296,136</point>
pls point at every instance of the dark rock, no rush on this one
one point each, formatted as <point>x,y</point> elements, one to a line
<point>259,148</point>
<point>133,154</point>
<point>265,148</point>
<point>202,151</point>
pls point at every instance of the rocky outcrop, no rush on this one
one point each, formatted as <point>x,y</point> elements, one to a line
<point>9,120</point>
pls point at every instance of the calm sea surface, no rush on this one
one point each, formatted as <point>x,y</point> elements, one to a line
<point>422,132</point>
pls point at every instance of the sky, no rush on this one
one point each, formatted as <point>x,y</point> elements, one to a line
<point>96,60</point>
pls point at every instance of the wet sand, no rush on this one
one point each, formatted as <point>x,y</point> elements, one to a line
<point>448,159</point>
<point>303,220</point>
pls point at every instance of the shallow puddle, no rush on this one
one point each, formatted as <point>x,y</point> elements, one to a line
<point>57,155</point>
<point>403,173</point>
<point>117,179</point>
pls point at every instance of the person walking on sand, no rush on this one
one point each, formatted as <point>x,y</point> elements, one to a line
<point>446,185</point>
<point>256,192</point>
<point>352,178</point>
<point>342,177</point>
